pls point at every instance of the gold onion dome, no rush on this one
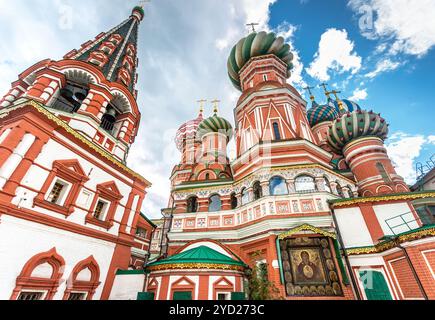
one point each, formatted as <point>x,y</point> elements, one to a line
<point>354,125</point>
<point>255,45</point>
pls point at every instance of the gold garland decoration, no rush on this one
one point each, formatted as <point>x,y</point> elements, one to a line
<point>185,266</point>
<point>385,198</point>
<point>385,246</point>
<point>80,137</point>
<point>306,227</point>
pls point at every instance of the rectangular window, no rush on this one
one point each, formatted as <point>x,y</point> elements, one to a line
<point>224,296</point>
<point>30,296</point>
<point>100,210</point>
<point>141,233</point>
<point>58,192</point>
<point>264,77</point>
<point>276,131</point>
<point>77,296</point>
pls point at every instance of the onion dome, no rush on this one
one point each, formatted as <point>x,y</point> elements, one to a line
<point>347,105</point>
<point>255,45</point>
<point>140,11</point>
<point>321,113</point>
<point>215,124</point>
<point>355,125</point>
<point>188,131</point>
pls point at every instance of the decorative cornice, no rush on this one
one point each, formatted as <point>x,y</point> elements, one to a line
<point>41,109</point>
<point>306,227</point>
<point>186,266</point>
<point>417,234</point>
<point>394,197</point>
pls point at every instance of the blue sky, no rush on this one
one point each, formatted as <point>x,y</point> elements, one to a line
<point>379,52</point>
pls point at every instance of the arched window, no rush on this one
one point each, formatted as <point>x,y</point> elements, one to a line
<point>305,184</point>
<point>258,192</point>
<point>327,185</point>
<point>192,204</point>
<point>384,174</point>
<point>276,131</point>
<point>278,186</point>
<point>245,196</point>
<point>215,203</point>
<point>207,176</point>
<point>340,190</point>
<point>233,201</point>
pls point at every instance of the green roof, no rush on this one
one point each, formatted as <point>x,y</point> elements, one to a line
<point>202,254</point>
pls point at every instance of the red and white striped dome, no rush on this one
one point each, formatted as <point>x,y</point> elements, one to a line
<point>188,131</point>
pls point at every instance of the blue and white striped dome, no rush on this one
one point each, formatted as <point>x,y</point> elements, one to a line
<point>349,106</point>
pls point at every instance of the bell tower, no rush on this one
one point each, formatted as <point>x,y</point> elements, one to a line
<point>92,88</point>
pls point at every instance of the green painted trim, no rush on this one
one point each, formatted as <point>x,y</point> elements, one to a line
<point>377,198</point>
<point>129,272</point>
<point>340,262</point>
<point>281,269</point>
<point>432,226</point>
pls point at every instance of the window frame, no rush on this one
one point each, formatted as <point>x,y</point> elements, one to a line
<point>69,171</point>
<point>313,181</point>
<point>271,188</point>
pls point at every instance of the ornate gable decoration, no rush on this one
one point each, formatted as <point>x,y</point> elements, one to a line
<point>306,227</point>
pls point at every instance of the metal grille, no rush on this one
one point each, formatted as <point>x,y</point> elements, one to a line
<point>30,296</point>
<point>99,210</point>
<point>76,296</point>
<point>55,192</point>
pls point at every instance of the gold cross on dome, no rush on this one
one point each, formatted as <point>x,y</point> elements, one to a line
<point>252,25</point>
<point>325,87</point>
<point>340,103</point>
<point>201,105</point>
<point>308,88</point>
<point>215,103</point>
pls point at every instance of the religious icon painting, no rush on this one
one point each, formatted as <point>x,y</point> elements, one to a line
<point>309,269</point>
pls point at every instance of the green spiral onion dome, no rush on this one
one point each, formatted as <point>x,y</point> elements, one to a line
<point>355,125</point>
<point>321,113</point>
<point>215,124</point>
<point>255,45</point>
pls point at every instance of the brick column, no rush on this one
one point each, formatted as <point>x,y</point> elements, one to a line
<point>226,203</point>
<point>202,205</point>
<point>291,186</point>
<point>265,188</point>
<point>12,163</point>
<point>9,143</point>
<point>24,166</point>
<point>47,84</point>
<point>17,90</point>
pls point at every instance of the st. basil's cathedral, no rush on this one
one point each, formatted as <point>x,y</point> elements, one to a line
<point>311,204</point>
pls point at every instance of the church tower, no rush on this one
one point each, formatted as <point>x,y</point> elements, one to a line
<point>68,201</point>
<point>270,115</point>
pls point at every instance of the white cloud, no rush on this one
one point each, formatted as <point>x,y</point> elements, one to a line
<point>410,24</point>
<point>404,150</point>
<point>383,66</point>
<point>336,52</point>
<point>359,94</point>
<point>287,31</point>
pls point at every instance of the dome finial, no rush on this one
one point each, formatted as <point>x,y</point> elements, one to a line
<point>308,88</point>
<point>201,105</point>
<point>340,103</point>
<point>215,103</point>
<point>325,88</point>
<point>252,25</point>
